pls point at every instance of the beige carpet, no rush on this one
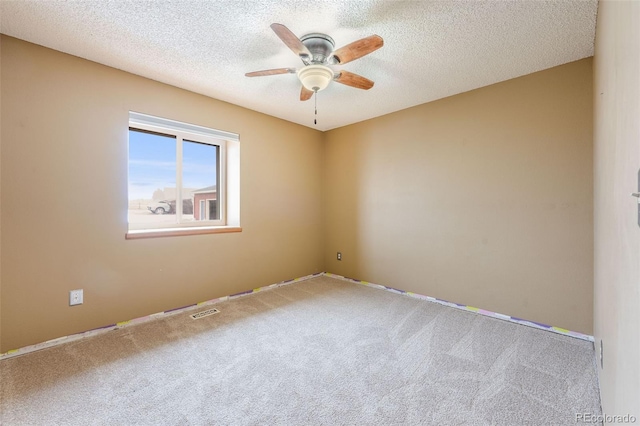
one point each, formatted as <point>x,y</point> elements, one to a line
<point>322,351</point>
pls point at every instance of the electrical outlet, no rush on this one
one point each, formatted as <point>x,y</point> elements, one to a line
<point>75,297</point>
<point>339,256</point>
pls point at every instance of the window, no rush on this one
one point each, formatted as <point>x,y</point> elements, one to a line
<point>178,177</point>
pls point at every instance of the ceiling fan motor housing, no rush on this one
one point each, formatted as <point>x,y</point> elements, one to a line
<point>320,45</point>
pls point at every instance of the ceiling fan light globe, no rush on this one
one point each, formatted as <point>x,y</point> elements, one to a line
<point>315,77</point>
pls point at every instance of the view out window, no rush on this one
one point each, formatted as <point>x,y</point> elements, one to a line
<point>177,175</point>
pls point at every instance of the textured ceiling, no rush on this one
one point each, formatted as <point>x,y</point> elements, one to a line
<point>432,49</point>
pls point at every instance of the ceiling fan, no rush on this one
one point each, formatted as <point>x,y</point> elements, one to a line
<point>316,51</point>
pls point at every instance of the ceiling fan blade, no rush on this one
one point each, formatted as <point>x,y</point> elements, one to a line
<point>354,80</point>
<point>357,49</point>
<point>270,72</point>
<point>291,40</point>
<point>305,94</point>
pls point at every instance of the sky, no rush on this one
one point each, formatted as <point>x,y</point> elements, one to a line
<point>152,164</point>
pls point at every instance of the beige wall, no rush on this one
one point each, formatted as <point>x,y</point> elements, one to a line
<point>0,197</point>
<point>484,198</point>
<point>64,199</point>
<point>617,235</point>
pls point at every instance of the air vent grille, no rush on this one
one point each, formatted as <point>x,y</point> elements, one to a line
<point>203,314</point>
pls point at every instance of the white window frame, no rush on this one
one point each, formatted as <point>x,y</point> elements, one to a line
<point>193,133</point>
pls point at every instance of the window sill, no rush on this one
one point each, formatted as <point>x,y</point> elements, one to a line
<point>178,232</point>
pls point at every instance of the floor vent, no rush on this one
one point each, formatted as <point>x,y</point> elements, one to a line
<point>204,313</point>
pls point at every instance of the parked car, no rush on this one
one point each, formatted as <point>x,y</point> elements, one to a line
<point>169,207</point>
<point>161,207</point>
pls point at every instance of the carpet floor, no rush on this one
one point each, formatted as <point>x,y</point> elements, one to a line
<point>322,351</point>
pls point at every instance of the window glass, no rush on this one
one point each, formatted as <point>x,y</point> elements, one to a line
<point>152,178</point>
<point>200,177</point>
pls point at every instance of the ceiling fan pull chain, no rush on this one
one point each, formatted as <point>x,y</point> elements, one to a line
<point>315,99</point>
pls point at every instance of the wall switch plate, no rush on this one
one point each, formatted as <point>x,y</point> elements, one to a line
<point>339,256</point>
<point>601,355</point>
<point>76,297</point>
<point>637,195</point>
